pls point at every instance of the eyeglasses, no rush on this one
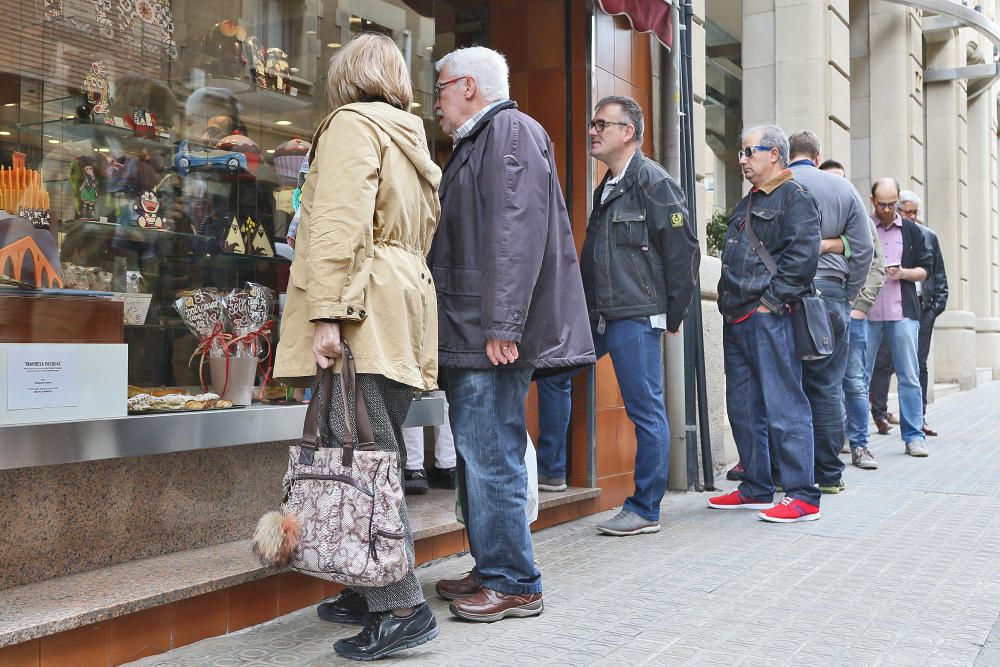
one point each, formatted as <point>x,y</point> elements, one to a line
<point>438,87</point>
<point>599,125</point>
<point>750,150</point>
<point>887,205</point>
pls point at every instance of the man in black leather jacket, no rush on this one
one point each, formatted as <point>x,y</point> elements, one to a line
<point>767,407</point>
<point>640,259</point>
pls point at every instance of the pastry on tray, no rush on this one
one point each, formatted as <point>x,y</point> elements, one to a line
<point>145,402</point>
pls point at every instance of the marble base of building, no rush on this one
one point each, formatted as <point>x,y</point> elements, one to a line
<point>955,343</point>
<point>988,344</point>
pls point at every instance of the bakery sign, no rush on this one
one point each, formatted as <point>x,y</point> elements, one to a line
<point>42,376</point>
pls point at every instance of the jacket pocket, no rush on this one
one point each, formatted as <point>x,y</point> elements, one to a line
<point>630,228</point>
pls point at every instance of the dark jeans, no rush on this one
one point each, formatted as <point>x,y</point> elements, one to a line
<point>486,411</point>
<point>555,405</point>
<point>879,390</point>
<point>766,404</point>
<point>822,380</point>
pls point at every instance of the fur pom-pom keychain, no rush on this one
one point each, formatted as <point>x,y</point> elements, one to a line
<point>276,538</point>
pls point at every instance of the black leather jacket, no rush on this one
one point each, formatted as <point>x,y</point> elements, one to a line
<point>786,219</point>
<point>640,256</point>
<point>934,290</point>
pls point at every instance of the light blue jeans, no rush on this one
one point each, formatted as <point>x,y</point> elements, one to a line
<point>856,381</point>
<point>902,336</point>
<point>486,410</point>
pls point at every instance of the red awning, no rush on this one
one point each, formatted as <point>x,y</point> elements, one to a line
<point>645,16</point>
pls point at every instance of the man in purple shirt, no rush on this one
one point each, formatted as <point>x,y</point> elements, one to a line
<point>896,312</point>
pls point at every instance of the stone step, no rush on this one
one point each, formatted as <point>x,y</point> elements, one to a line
<point>984,376</point>
<point>63,603</point>
<point>942,389</point>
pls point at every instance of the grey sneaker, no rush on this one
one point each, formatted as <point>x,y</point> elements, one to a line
<point>628,523</point>
<point>551,483</point>
<point>917,448</point>
<point>862,458</point>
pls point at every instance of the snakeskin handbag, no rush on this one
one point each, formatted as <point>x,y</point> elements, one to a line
<point>340,518</point>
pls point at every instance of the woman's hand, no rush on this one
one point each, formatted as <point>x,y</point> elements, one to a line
<point>326,343</point>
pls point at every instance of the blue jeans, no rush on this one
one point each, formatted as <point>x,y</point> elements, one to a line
<point>902,335</point>
<point>634,346</point>
<point>822,380</point>
<point>768,409</point>
<point>856,380</point>
<point>555,405</point>
<point>488,422</point>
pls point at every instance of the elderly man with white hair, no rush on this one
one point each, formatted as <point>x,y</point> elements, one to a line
<point>510,305</point>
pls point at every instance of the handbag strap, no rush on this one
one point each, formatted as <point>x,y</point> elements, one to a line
<point>364,436</point>
<point>755,242</point>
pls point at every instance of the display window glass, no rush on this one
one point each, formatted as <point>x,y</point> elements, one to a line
<point>150,154</point>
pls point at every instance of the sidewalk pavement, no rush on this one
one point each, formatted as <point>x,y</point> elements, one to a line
<point>902,569</point>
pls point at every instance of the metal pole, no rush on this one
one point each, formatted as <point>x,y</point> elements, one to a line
<point>694,345</point>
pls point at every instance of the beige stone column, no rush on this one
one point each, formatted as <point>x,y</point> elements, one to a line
<point>947,206</point>
<point>793,78</point>
<point>983,213</point>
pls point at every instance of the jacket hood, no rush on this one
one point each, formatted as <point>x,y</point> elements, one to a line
<point>406,131</point>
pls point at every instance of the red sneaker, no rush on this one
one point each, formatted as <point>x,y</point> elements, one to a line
<point>735,500</point>
<point>790,510</point>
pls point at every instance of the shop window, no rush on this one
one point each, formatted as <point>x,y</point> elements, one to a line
<point>150,151</point>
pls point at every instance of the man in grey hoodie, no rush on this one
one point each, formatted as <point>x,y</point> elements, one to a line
<point>846,256</point>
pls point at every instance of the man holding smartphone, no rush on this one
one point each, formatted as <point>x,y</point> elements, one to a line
<point>896,312</point>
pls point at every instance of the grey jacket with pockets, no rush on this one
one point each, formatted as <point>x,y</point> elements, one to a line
<point>503,259</point>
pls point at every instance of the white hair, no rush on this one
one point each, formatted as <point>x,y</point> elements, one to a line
<point>488,67</point>
<point>909,196</point>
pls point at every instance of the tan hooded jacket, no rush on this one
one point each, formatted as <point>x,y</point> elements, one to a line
<point>369,211</point>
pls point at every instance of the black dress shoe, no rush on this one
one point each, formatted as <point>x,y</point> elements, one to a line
<point>386,633</point>
<point>441,478</point>
<point>349,607</point>
<point>415,482</point>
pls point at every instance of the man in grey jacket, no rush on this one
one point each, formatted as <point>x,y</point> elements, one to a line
<point>510,303</point>
<point>845,258</point>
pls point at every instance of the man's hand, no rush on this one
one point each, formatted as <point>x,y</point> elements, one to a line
<point>764,309</point>
<point>834,246</point>
<point>501,351</point>
<point>326,343</point>
<point>899,273</point>
<point>858,315</point>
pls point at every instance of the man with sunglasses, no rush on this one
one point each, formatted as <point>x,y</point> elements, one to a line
<point>639,263</point>
<point>769,259</point>
<point>896,313</point>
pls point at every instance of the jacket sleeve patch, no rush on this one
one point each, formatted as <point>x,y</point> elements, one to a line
<point>677,220</point>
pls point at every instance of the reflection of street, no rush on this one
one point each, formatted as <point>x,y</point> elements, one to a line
<point>901,570</point>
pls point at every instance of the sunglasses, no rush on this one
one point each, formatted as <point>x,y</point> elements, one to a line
<point>750,150</point>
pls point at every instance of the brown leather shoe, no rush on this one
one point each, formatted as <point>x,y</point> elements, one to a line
<point>928,430</point>
<point>452,589</point>
<point>883,426</point>
<point>892,417</point>
<point>487,606</point>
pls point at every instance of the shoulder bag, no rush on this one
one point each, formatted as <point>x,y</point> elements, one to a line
<point>811,326</point>
<point>340,519</point>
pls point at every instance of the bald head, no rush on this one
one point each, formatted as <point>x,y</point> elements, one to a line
<point>885,197</point>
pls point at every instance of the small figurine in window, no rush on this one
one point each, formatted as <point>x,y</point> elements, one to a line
<point>149,207</point>
<point>277,70</point>
<point>84,182</point>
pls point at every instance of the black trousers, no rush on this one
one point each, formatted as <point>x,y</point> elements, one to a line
<point>878,390</point>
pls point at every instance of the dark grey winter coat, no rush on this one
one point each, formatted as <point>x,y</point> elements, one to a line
<point>503,259</point>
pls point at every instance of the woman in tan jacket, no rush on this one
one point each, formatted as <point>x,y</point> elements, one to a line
<point>368,214</point>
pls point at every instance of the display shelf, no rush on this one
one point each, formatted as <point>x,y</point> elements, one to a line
<point>98,131</point>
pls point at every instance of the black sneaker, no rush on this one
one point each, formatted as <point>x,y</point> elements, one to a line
<point>441,478</point>
<point>350,607</point>
<point>415,482</point>
<point>385,634</point>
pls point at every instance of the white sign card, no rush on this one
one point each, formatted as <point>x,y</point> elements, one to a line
<point>42,376</point>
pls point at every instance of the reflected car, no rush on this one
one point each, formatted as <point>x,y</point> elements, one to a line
<point>187,159</point>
